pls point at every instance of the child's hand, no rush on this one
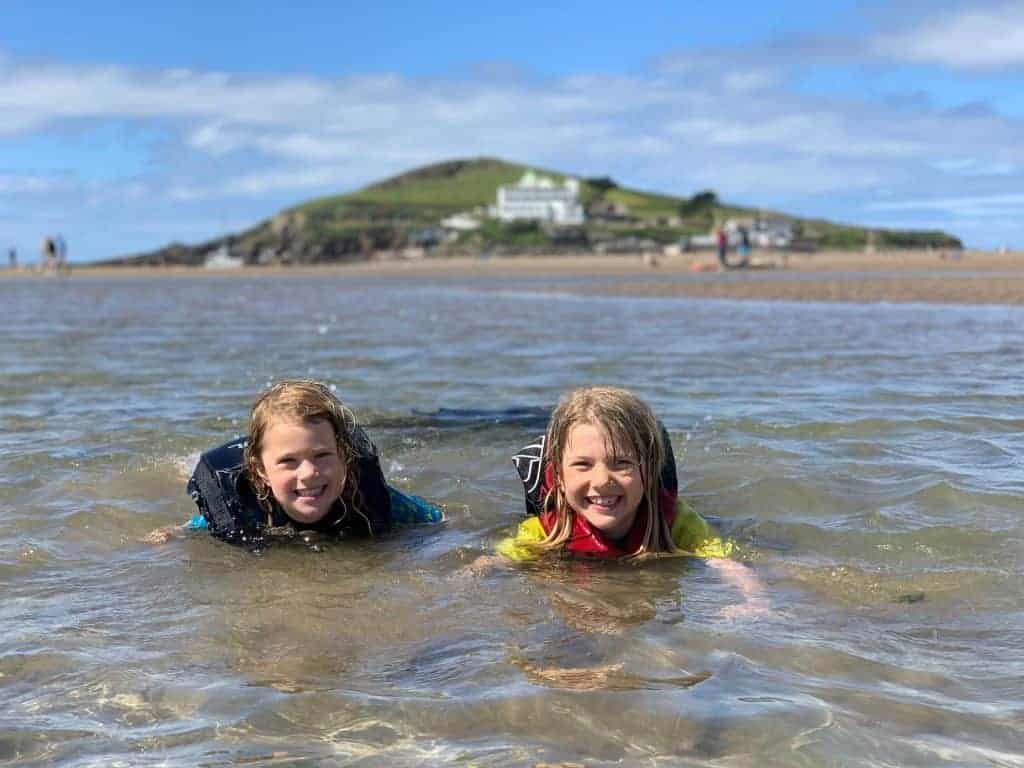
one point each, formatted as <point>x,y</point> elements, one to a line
<point>573,679</point>
<point>482,566</point>
<point>164,534</point>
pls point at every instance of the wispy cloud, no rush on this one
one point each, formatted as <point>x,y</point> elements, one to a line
<point>31,184</point>
<point>734,120</point>
<point>972,167</point>
<point>968,37</point>
<point>309,132</point>
<point>260,184</point>
<point>967,206</point>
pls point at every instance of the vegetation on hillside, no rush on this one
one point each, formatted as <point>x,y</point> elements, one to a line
<point>406,210</point>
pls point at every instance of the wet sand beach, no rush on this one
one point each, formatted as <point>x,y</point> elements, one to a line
<point>970,277</point>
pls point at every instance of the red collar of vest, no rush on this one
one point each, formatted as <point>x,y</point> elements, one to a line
<point>587,540</point>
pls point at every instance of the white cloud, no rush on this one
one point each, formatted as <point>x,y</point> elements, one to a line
<point>797,176</point>
<point>811,133</point>
<point>11,184</point>
<point>260,183</point>
<point>966,206</point>
<point>750,80</point>
<point>967,38</point>
<point>220,139</point>
<point>40,95</point>
<point>694,122</point>
<point>970,166</point>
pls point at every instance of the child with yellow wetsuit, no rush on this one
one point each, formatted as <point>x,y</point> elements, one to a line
<point>601,483</point>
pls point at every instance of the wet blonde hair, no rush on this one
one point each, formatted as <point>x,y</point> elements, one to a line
<point>300,401</point>
<point>633,430</point>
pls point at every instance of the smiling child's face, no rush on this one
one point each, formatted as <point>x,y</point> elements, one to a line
<point>603,486</point>
<point>302,467</point>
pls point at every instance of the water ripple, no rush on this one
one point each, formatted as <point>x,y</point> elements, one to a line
<point>867,460</point>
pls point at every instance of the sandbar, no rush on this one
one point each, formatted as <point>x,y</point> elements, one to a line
<point>944,277</point>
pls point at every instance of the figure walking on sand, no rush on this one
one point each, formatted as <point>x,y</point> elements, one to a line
<point>722,241</point>
<point>61,247</point>
<point>48,253</point>
<point>744,247</point>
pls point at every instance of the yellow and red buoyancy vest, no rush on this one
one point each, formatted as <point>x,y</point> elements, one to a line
<point>538,479</point>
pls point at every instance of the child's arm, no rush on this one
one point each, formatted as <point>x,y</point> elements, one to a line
<point>165,533</point>
<point>693,533</point>
<point>407,509</point>
<point>515,549</point>
<point>519,548</point>
<point>745,580</point>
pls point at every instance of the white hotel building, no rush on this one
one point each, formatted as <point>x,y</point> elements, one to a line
<point>536,198</point>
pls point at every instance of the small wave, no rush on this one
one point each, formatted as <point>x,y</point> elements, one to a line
<point>465,418</point>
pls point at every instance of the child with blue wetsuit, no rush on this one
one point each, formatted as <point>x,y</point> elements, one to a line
<point>305,466</point>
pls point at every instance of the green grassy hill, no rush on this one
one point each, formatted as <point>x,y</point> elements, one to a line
<point>451,186</point>
<point>406,210</point>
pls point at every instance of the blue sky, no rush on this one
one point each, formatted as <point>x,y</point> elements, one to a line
<point>126,128</point>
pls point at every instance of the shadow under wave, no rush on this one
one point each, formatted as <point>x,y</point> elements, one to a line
<point>534,418</point>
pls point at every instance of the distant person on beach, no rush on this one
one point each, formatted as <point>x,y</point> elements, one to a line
<point>722,242</point>
<point>48,253</point>
<point>601,483</point>
<point>61,248</point>
<point>12,257</point>
<point>305,468</point>
<point>744,249</point>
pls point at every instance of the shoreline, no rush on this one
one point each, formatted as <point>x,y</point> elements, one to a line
<point>969,277</point>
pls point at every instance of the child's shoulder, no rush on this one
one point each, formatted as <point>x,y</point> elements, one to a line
<point>521,546</point>
<point>692,533</point>
<point>531,529</point>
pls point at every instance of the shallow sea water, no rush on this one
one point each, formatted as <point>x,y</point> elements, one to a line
<point>867,459</point>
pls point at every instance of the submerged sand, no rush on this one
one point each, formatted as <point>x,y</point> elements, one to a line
<point>969,277</point>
